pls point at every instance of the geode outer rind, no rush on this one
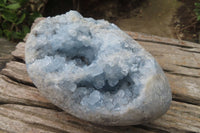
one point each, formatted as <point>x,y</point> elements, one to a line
<point>96,72</point>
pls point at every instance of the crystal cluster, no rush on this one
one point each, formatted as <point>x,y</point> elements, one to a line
<point>94,71</point>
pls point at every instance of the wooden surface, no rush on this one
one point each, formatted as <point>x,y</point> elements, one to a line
<point>24,110</point>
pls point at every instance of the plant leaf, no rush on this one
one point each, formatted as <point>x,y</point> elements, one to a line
<point>13,6</point>
<point>5,25</point>
<point>33,16</point>
<point>21,19</point>
<point>17,35</point>
<point>7,33</point>
<point>9,16</point>
<point>2,3</point>
<point>198,18</point>
<point>26,29</point>
<point>22,2</point>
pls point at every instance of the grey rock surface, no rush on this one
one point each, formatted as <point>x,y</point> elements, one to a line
<point>96,72</point>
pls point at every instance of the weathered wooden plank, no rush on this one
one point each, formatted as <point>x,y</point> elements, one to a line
<point>19,52</point>
<point>37,119</point>
<point>16,93</point>
<point>180,118</point>
<point>9,125</point>
<point>17,71</point>
<point>186,89</point>
<point>172,55</point>
<point>162,40</point>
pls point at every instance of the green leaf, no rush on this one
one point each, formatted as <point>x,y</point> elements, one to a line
<point>13,6</point>
<point>2,4</point>
<point>33,16</point>
<point>4,1</point>
<point>9,16</point>
<point>22,2</point>
<point>21,19</point>
<point>198,18</point>
<point>7,33</point>
<point>17,35</point>
<point>26,29</point>
<point>5,25</point>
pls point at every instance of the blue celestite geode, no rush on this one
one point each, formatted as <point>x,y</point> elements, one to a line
<point>96,72</point>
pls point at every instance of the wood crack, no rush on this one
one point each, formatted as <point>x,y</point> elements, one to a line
<point>19,81</point>
<point>179,74</point>
<point>18,60</point>
<point>174,98</point>
<point>185,75</point>
<point>29,103</point>
<point>46,127</point>
<point>190,67</point>
<point>152,129</point>
<point>166,43</point>
<point>167,71</point>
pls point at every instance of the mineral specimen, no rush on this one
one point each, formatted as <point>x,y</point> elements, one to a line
<point>96,72</point>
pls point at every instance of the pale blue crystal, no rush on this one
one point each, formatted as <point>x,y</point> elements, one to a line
<point>95,71</point>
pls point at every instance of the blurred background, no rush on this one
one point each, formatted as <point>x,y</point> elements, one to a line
<point>179,19</point>
<point>168,18</point>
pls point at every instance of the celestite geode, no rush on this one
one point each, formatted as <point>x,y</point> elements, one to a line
<point>96,72</point>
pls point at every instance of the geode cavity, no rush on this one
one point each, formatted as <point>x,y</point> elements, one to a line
<point>96,72</point>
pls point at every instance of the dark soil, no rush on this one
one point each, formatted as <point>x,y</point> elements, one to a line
<point>98,9</point>
<point>109,9</point>
<point>186,26</point>
<point>55,7</point>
